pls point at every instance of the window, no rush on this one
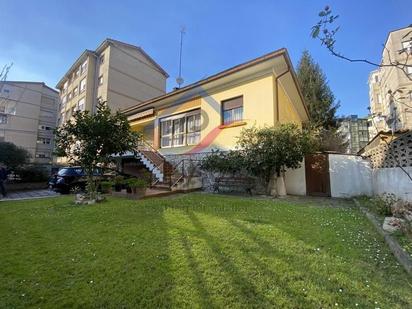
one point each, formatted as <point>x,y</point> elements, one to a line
<point>42,140</point>
<point>8,107</point>
<point>409,69</point>
<point>65,85</point>
<point>379,99</point>
<point>80,105</point>
<point>83,67</point>
<point>376,79</point>
<point>83,85</point>
<point>166,132</point>
<point>193,129</point>
<point>42,155</point>
<point>232,110</point>
<point>46,128</point>
<point>74,109</point>
<point>100,80</point>
<point>101,59</point>
<point>407,45</point>
<point>75,91</point>
<point>180,130</point>
<point>77,73</point>
<point>69,96</point>
<point>64,100</point>
<point>3,119</point>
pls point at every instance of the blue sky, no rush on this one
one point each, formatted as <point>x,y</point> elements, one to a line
<point>43,38</point>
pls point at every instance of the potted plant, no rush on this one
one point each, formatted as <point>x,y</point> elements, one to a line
<point>118,183</point>
<point>137,186</point>
<point>106,186</point>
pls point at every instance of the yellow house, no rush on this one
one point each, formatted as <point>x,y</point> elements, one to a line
<point>210,114</point>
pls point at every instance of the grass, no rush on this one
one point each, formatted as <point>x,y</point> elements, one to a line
<point>376,206</point>
<point>195,250</point>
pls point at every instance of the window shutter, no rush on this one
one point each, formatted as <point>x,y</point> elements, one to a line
<point>233,103</point>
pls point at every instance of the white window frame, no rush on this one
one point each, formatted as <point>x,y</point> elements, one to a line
<point>100,80</point>
<point>232,111</point>
<point>172,135</point>
<point>83,67</point>
<point>83,102</point>
<point>84,85</point>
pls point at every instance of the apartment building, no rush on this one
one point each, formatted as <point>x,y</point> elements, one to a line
<point>390,88</point>
<point>355,132</point>
<point>28,114</point>
<point>120,74</point>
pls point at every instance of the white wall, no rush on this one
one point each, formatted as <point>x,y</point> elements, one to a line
<point>350,175</point>
<point>393,180</point>
<point>295,180</point>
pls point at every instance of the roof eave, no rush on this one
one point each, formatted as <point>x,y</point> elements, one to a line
<point>209,79</point>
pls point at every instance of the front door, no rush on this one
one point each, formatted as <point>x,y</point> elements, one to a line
<point>317,175</point>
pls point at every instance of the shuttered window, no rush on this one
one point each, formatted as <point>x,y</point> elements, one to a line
<point>232,110</point>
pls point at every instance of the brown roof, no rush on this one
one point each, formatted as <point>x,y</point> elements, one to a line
<point>274,54</point>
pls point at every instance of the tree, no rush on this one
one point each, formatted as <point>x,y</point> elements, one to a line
<point>269,151</point>
<point>321,105</point>
<point>89,140</point>
<point>325,31</point>
<point>13,156</point>
<point>316,92</point>
<point>327,36</point>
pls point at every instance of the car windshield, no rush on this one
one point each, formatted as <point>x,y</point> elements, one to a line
<point>72,171</point>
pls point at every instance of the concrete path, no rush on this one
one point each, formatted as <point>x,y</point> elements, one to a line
<point>24,195</point>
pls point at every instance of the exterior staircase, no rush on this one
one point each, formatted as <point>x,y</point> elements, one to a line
<point>165,175</point>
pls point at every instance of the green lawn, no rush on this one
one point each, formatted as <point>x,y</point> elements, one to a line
<point>195,250</point>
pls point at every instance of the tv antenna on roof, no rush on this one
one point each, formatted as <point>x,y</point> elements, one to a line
<point>179,79</point>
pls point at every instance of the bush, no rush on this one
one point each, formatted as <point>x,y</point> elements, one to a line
<point>230,162</point>
<point>31,173</point>
<point>13,156</point>
<point>106,186</point>
<point>136,183</point>
<point>382,205</point>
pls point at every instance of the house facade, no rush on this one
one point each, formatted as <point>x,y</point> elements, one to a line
<point>28,113</point>
<point>194,120</point>
<point>390,88</point>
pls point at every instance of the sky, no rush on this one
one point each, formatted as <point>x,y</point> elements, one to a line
<point>43,38</point>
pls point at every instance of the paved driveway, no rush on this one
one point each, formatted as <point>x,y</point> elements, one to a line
<point>23,195</point>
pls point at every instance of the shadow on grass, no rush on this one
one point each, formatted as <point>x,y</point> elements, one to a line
<point>246,290</point>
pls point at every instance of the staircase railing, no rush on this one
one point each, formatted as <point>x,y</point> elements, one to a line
<point>146,146</point>
<point>179,169</point>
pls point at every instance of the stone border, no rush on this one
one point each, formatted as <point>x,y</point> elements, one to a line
<point>400,254</point>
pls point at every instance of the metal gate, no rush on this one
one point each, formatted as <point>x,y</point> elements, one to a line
<point>317,175</point>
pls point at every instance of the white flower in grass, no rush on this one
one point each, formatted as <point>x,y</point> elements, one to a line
<point>91,281</point>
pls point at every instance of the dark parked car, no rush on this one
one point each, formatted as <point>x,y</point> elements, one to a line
<point>69,179</point>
